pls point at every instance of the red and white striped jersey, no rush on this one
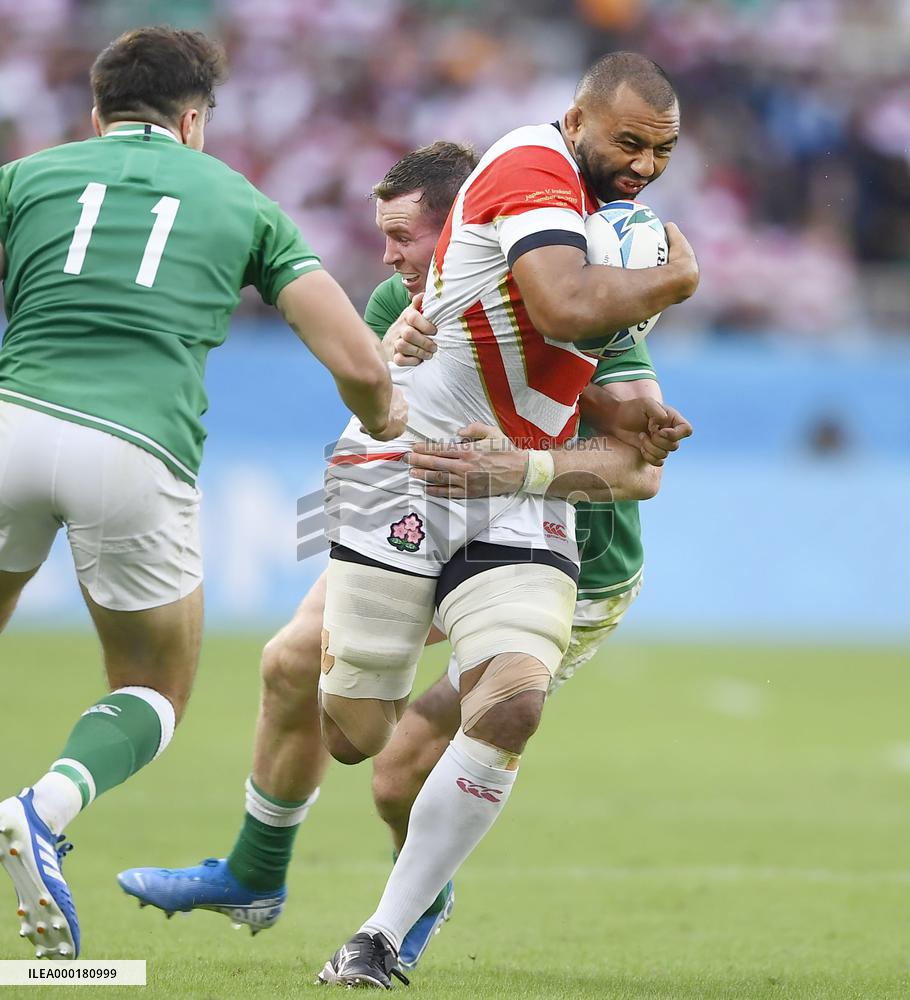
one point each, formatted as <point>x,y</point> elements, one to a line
<point>492,365</point>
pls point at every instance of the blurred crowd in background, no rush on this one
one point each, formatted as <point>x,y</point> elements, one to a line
<point>792,179</point>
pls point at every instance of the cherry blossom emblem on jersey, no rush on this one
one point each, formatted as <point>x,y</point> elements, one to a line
<point>406,534</point>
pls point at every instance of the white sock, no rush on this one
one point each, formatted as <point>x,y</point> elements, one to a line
<point>457,805</point>
<point>57,800</point>
<point>266,810</point>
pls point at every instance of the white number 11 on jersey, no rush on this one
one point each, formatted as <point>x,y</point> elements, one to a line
<point>91,200</point>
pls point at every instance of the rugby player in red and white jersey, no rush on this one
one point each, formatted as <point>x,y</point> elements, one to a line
<point>412,202</point>
<point>510,292</point>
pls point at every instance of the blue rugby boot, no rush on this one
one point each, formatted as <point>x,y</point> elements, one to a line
<point>207,886</point>
<point>32,855</point>
<point>419,936</point>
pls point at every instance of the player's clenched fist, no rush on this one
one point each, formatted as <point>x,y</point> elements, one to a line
<point>411,336</point>
<point>663,435</point>
<point>651,426</point>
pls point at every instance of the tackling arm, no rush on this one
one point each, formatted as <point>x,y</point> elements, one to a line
<point>602,469</point>
<point>598,469</point>
<point>320,313</point>
<point>611,466</point>
<point>489,465</point>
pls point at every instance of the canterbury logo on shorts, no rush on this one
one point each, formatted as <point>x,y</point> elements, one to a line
<point>479,791</point>
<point>553,529</point>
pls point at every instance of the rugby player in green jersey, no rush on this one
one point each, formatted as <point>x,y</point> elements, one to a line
<point>122,259</point>
<point>289,759</point>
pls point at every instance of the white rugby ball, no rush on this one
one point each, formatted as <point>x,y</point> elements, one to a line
<point>624,234</point>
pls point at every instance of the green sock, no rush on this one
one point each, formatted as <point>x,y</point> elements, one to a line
<point>261,856</point>
<point>115,738</point>
<point>438,903</point>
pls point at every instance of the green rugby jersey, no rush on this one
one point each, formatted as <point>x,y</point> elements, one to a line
<point>386,304</point>
<point>609,534</point>
<point>125,256</point>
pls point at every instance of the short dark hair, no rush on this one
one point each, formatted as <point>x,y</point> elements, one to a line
<point>438,170</point>
<point>641,74</point>
<point>151,74</point>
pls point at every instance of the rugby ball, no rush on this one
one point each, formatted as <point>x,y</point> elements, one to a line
<point>624,234</point>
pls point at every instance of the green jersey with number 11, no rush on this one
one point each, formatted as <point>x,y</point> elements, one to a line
<point>125,257</point>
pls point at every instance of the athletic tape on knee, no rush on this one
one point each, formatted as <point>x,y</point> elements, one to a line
<point>376,623</point>
<point>506,675</point>
<point>525,608</point>
<point>162,708</point>
<point>366,723</point>
<point>486,754</point>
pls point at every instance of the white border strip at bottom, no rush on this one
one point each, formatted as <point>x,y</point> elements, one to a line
<point>123,972</point>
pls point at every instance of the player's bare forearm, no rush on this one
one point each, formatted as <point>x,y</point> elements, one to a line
<point>569,300</point>
<point>601,470</point>
<point>320,313</point>
<point>367,399</point>
<point>489,465</point>
<point>485,465</point>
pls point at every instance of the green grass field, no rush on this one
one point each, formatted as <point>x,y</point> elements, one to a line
<point>690,822</point>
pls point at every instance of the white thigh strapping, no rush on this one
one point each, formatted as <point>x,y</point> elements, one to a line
<point>594,622</point>
<point>375,625</point>
<point>517,608</point>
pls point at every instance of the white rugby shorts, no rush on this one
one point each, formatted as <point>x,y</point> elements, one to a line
<point>133,526</point>
<point>374,507</point>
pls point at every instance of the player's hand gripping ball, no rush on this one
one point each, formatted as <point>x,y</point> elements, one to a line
<point>624,234</point>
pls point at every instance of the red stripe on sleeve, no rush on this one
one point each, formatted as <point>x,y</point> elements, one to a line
<point>520,180</point>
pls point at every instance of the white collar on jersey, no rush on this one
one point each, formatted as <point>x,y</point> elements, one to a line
<point>139,130</point>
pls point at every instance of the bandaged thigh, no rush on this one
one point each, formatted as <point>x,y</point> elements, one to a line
<point>517,617</point>
<point>517,608</point>
<point>375,625</point>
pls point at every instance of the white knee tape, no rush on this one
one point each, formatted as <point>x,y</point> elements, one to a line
<point>375,625</point>
<point>485,754</point>
<point>525,608</point>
